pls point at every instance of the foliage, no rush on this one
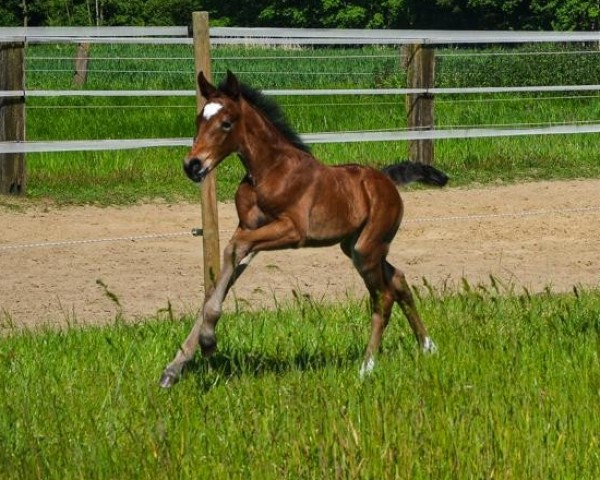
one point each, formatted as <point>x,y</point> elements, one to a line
<point>11,13</point>
<point>570,14</point>
<point>448,14</point>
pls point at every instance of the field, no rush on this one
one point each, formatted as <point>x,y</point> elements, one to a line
<point>512,393</point>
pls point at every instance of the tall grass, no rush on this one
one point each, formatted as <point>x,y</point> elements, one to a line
<point>153,173</point>
<point>512,393</point>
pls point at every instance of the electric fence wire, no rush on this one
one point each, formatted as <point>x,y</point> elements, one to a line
<point>195,232</point>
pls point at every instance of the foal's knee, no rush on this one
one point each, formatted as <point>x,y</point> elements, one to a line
<point>211,312</point>
<point>234,253</point>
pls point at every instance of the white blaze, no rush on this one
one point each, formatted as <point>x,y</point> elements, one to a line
<point>211,109</point>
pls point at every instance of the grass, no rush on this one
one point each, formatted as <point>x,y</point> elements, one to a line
<point>129,176</point>
<point>512,393</point>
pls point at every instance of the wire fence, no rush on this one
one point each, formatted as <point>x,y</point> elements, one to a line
<point>5,248</point>
<point>348,38</point>
<point>383,66</point>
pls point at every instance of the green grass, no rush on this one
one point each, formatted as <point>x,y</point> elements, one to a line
<point>512,393</point>
<point>128,176</point>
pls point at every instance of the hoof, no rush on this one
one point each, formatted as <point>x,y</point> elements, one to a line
<point>208,345</point>
<point>168,379</point>
<point>209,351</point>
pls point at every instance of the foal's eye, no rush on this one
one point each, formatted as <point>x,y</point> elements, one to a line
<point>225,125</point>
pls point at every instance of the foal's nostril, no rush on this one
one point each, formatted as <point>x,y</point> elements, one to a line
<point>194,170</point>
<point>188,167</point>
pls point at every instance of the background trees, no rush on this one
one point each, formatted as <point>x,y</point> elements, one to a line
<point>448,14</point>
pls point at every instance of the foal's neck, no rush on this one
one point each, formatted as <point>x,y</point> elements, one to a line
<point>262,146</point>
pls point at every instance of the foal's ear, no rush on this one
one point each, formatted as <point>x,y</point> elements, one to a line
<point>231,86</point>
<point>207,89</point>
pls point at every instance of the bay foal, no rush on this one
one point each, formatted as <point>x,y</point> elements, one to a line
<point>288,199</point>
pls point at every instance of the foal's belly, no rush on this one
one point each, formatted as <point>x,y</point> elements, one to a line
<point>329,231</point>
<point>334,216</point>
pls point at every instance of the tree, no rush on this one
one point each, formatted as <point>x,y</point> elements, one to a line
<point>570,14</point>
<point>11,13</point>
<point>171,12</point>
<point>290,13</point>
<point>446,14</point>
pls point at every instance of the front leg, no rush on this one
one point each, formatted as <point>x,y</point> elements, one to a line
<point>244,244</point>
<point>203,331</point>
<point>278,234</point>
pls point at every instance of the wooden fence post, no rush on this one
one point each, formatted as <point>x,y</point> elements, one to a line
<point>420,64</point>
<point>210,221</point>
<point>81,63</point>
<point>12,117</point>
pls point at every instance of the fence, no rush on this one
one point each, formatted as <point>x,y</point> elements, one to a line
<point>419,92</point>
<point>421,77</point>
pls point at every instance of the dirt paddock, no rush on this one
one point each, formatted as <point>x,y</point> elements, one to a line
<point>532,235</point>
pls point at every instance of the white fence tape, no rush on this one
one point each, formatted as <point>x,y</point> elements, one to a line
<point>307,92</point>
<point>275,36</point>
<point>310,138</point>
<point>285,35</point>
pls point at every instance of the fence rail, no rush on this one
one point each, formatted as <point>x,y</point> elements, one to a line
<point>278,36</point>
<point>309,92</point>
<point>310,138</point>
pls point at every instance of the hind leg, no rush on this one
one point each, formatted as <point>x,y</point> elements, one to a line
<point>369,264</point>
<point>392,287</point>
<point>381,309</point>
<point>403,295</point>
<point>386,285</point>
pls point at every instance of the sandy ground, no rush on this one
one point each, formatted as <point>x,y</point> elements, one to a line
<point>532,235</point>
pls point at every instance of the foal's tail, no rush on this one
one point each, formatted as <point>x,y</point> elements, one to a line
<point>407,172</point>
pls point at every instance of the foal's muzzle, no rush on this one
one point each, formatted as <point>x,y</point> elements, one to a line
<point>194,170</point>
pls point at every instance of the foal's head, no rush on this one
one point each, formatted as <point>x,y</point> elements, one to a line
<point>216,127</point>
<point>219,125</point>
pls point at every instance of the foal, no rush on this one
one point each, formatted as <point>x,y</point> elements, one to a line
<point>288,199</point>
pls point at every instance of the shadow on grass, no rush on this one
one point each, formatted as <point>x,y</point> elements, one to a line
<point>225,366</point>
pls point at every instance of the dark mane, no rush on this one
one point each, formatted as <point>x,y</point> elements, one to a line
<point>272,111</point>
